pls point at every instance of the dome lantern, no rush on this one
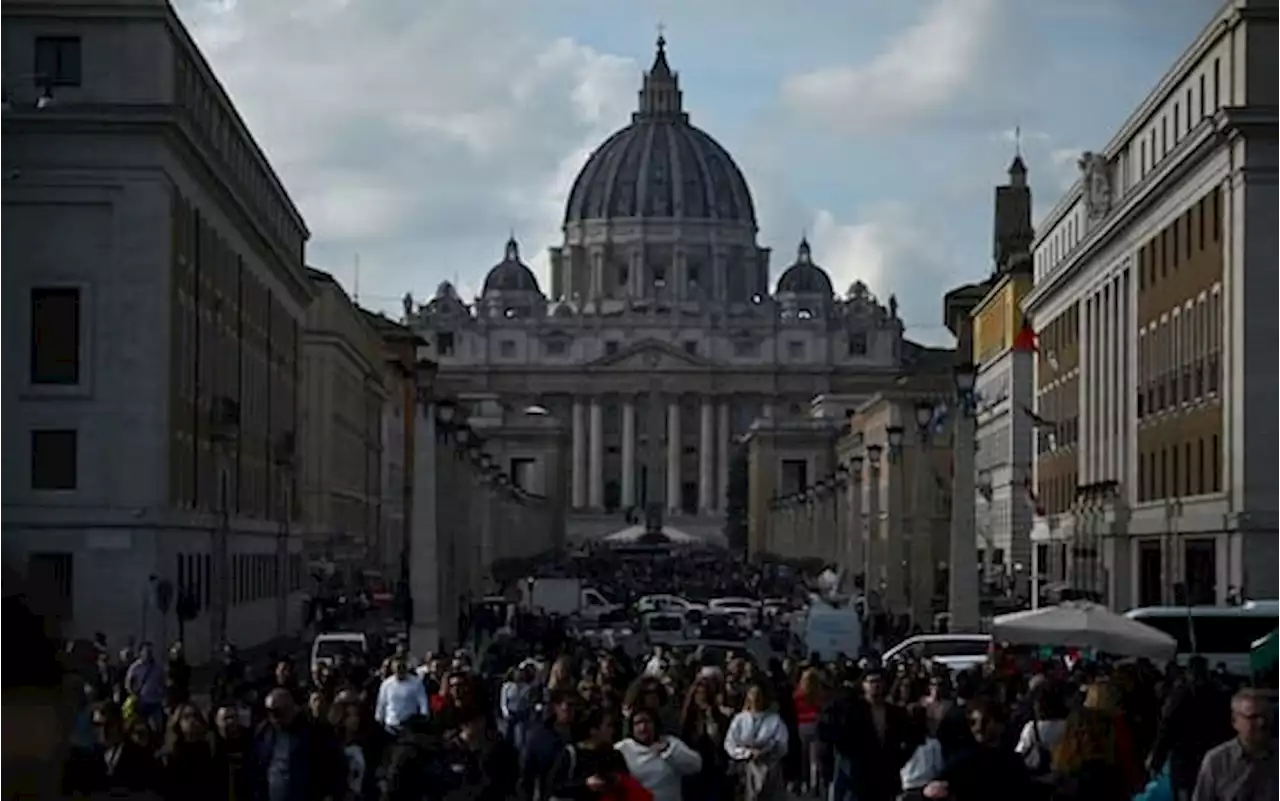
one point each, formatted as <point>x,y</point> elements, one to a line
<point>660,94</point>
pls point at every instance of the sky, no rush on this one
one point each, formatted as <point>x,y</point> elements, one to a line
<point>415,136</point>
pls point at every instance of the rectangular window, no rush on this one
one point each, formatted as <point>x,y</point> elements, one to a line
<point>1164,473</point>
<point>1215,474</point>
<point>1201,211</point>
<point>795,350</point>
<point>507,349</point>
<point>1142,158</point>
<point>1186,238</point>
<point>57,61</point>
<point>1175,236</point>
<point>744,347</point>
<point>1217,84</point>
<point>557,347</point>
<point>1190,122</point>
<point>1142,478</point>
<point>795,475</point>
<point>53,459</point>
<point>1186,469</point>
<point>610,348</point>
<point>444,343</point>
<point>1202,95</point>
<point>1215,214</point>
<point>1200,482</point>
<point>522,472</point>
<point>1173,471</point>
<point>858,344</point>
<point>691,347</point>
<point>1177,121</point>
<point>55,335</point>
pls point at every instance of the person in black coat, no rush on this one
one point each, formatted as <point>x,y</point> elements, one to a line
<point>872,740</point>
<point>114,765</point>
<point>289,751</point>
<point>985,771</point>
<point>543,742</point>
<point>475,763</point>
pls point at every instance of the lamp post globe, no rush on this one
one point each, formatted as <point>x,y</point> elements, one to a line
<point>894,434</point>
<point>924,413</point>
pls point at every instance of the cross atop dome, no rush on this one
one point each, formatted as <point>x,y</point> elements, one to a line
<point>660,94</point>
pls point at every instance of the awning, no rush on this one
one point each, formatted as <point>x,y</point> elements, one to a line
<point>1083,624</point>
<point>1262,656</point>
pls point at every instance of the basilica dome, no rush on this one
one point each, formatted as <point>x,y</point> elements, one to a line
<point>511,274</point>
<point>804,277</point>
<point>660,166</point>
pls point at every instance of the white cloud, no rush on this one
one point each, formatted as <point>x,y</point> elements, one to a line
<point>885,250</point>
<point>918,74</point>
<point>403,129</point>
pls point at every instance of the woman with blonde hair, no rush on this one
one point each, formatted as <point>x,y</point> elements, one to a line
<point>810,697</point>
<point>1105,697</point>
<point>756,744</point>
<point>560,677</point>
<point>1086,766</point>
<point>187,756</point>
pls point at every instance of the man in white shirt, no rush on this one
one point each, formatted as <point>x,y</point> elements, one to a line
<point>401,696</point>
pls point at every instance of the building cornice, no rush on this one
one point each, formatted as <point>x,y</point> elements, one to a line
<point>168,123</point>
<point>161,11</point>
<point>1227,19</point>
<point>1197,148</point>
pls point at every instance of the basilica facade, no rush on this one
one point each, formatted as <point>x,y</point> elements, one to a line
<point>660,340</point>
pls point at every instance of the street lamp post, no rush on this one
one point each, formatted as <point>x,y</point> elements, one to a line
<point>921,544</point>
<point>875,529</point>
<point>963,576</point>
<point>838,546</point>
<point>857,542</point>
<point>897,576</point>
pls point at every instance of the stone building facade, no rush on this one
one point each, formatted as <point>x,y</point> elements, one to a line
<point>1154,283</point>
<point>661,340</point>
<point>154,296</point>
<point>1003,355</point>
<point>346,396</point>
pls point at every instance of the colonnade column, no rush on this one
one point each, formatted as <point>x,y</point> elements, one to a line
<point>579,454</point>
<point>674,452</point>
<point>595,470</point>
<point>706,457</point>
<point>725,447</point>
<point>628,452</point>
<point>855,560</point>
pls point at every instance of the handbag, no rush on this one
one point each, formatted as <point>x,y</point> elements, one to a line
<point>1043,762</point>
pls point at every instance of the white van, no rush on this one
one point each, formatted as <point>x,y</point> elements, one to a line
<point>958,652</point>
<point>329,646</point>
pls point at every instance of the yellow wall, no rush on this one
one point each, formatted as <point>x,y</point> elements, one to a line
<point>998,318</point>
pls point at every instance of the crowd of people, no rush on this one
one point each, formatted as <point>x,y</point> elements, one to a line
<point>587,725</point>
<point>551,718</point>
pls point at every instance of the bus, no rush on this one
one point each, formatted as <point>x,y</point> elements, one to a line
<point>1221,634</point>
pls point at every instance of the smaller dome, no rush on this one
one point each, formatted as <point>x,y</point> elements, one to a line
<point>804,277</point>
<point>511,274</point>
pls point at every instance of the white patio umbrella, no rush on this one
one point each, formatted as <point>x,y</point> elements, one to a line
<point>1083,624</point>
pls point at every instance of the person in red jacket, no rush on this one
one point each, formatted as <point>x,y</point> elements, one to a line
<point>809,698</point>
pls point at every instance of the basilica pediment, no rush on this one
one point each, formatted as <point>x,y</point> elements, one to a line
<point>652,354</point>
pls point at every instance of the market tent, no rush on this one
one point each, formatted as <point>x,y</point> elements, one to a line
<point>636,534</point>
<point>1083,624</point>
